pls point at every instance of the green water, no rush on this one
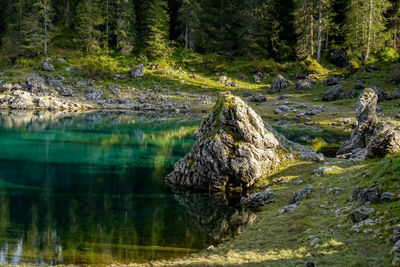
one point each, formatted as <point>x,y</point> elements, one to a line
<point>89,189</point>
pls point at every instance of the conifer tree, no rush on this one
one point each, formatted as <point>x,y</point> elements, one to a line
<point>125,26</point>
<point>189,19</point>
<point>36,27</point>
<point>157,28</point>
<point>89,19</point>
<point>365,26</point>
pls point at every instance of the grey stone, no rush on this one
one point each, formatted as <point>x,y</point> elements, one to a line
<point>115,90</point>
<point>258,199</point>
<point>302,194</point>
<point>304,85</point>
<point>204,100</point>
<point>387,196</point>
<point>257,97</point>
<point>138,71</point>
<point>47,65</point>
<point>311,111</point>
<point>379,93</point>
<point>367,222</point>
<point>289,208</point>
<point>365,195</point>
<point>360,214</point>
<point>247,93</point>
<point>93,94</point>
<point>377,138</point>
<point>337,92</point>
<point>396,248</point>
<point>66,91</point>
<point>278,84</point>
<point>281,109</point>
<point>314,242</point>
<point>396,233</point>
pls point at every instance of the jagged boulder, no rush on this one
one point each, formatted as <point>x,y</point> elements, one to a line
<point>278,84</point>
<point>234,149</point>
<point>304,85</point>
<point>375,138</point>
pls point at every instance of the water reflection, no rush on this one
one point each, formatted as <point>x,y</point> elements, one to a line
<point>89,189</point>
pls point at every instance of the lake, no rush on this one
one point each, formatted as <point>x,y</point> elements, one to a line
<point>89,189</point>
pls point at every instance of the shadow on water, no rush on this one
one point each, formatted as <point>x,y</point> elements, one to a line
<point>89,189</point>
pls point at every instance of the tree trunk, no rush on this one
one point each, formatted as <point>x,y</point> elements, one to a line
<point>67,14</point>
<point>45,27</point>
<point>107,22</point>
<point>186,36</point>
<point>311,35</point>
<point>369,29</point>
<point>319,30</point>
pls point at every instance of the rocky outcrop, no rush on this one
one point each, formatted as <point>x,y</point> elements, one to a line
<point>278,84</point>
<point>370,137</point>
<point>366,195</point>
<point>361,214</point>
<point>234,149</point>
<point>93,94</point>
<point>138,71</point>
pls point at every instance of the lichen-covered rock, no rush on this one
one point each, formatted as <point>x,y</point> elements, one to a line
<point>233,149</point>
<point>278,84</point>
<point>258,199</point>
<point>376,138</point>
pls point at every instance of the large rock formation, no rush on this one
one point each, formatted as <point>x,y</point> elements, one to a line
<point>234,149</point>
<point>370,138</point>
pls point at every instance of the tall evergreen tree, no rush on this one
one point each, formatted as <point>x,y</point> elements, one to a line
<point>125,26</point>
<point>36,27</point>
<point>89,19</point>
<point>365,26</point>
<point>189,22</point>
<point>157,28</point>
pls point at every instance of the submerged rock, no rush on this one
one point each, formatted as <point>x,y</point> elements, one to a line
<point>376,138</point>
<point>234,148</point>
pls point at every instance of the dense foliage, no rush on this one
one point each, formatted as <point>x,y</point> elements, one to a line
<point>281,29</point>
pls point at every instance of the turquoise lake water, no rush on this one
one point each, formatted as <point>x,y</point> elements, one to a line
<point>89,189</point>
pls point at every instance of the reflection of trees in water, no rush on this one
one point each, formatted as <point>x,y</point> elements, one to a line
<point>92,229</point>
<point>214,215</point>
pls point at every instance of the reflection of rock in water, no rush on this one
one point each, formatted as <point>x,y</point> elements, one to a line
<point>214,215</point>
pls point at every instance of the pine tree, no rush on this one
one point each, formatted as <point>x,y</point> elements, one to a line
<point>125,26</point>
<point>305,15</point>
<point>36,27</point>
<point>157,28</point>
<point>189,20</point>
<point>89,20</point>
<point>365,26</point>
<point>394,26</point>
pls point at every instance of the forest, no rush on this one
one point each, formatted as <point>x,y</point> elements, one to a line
<point>284,30</point>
